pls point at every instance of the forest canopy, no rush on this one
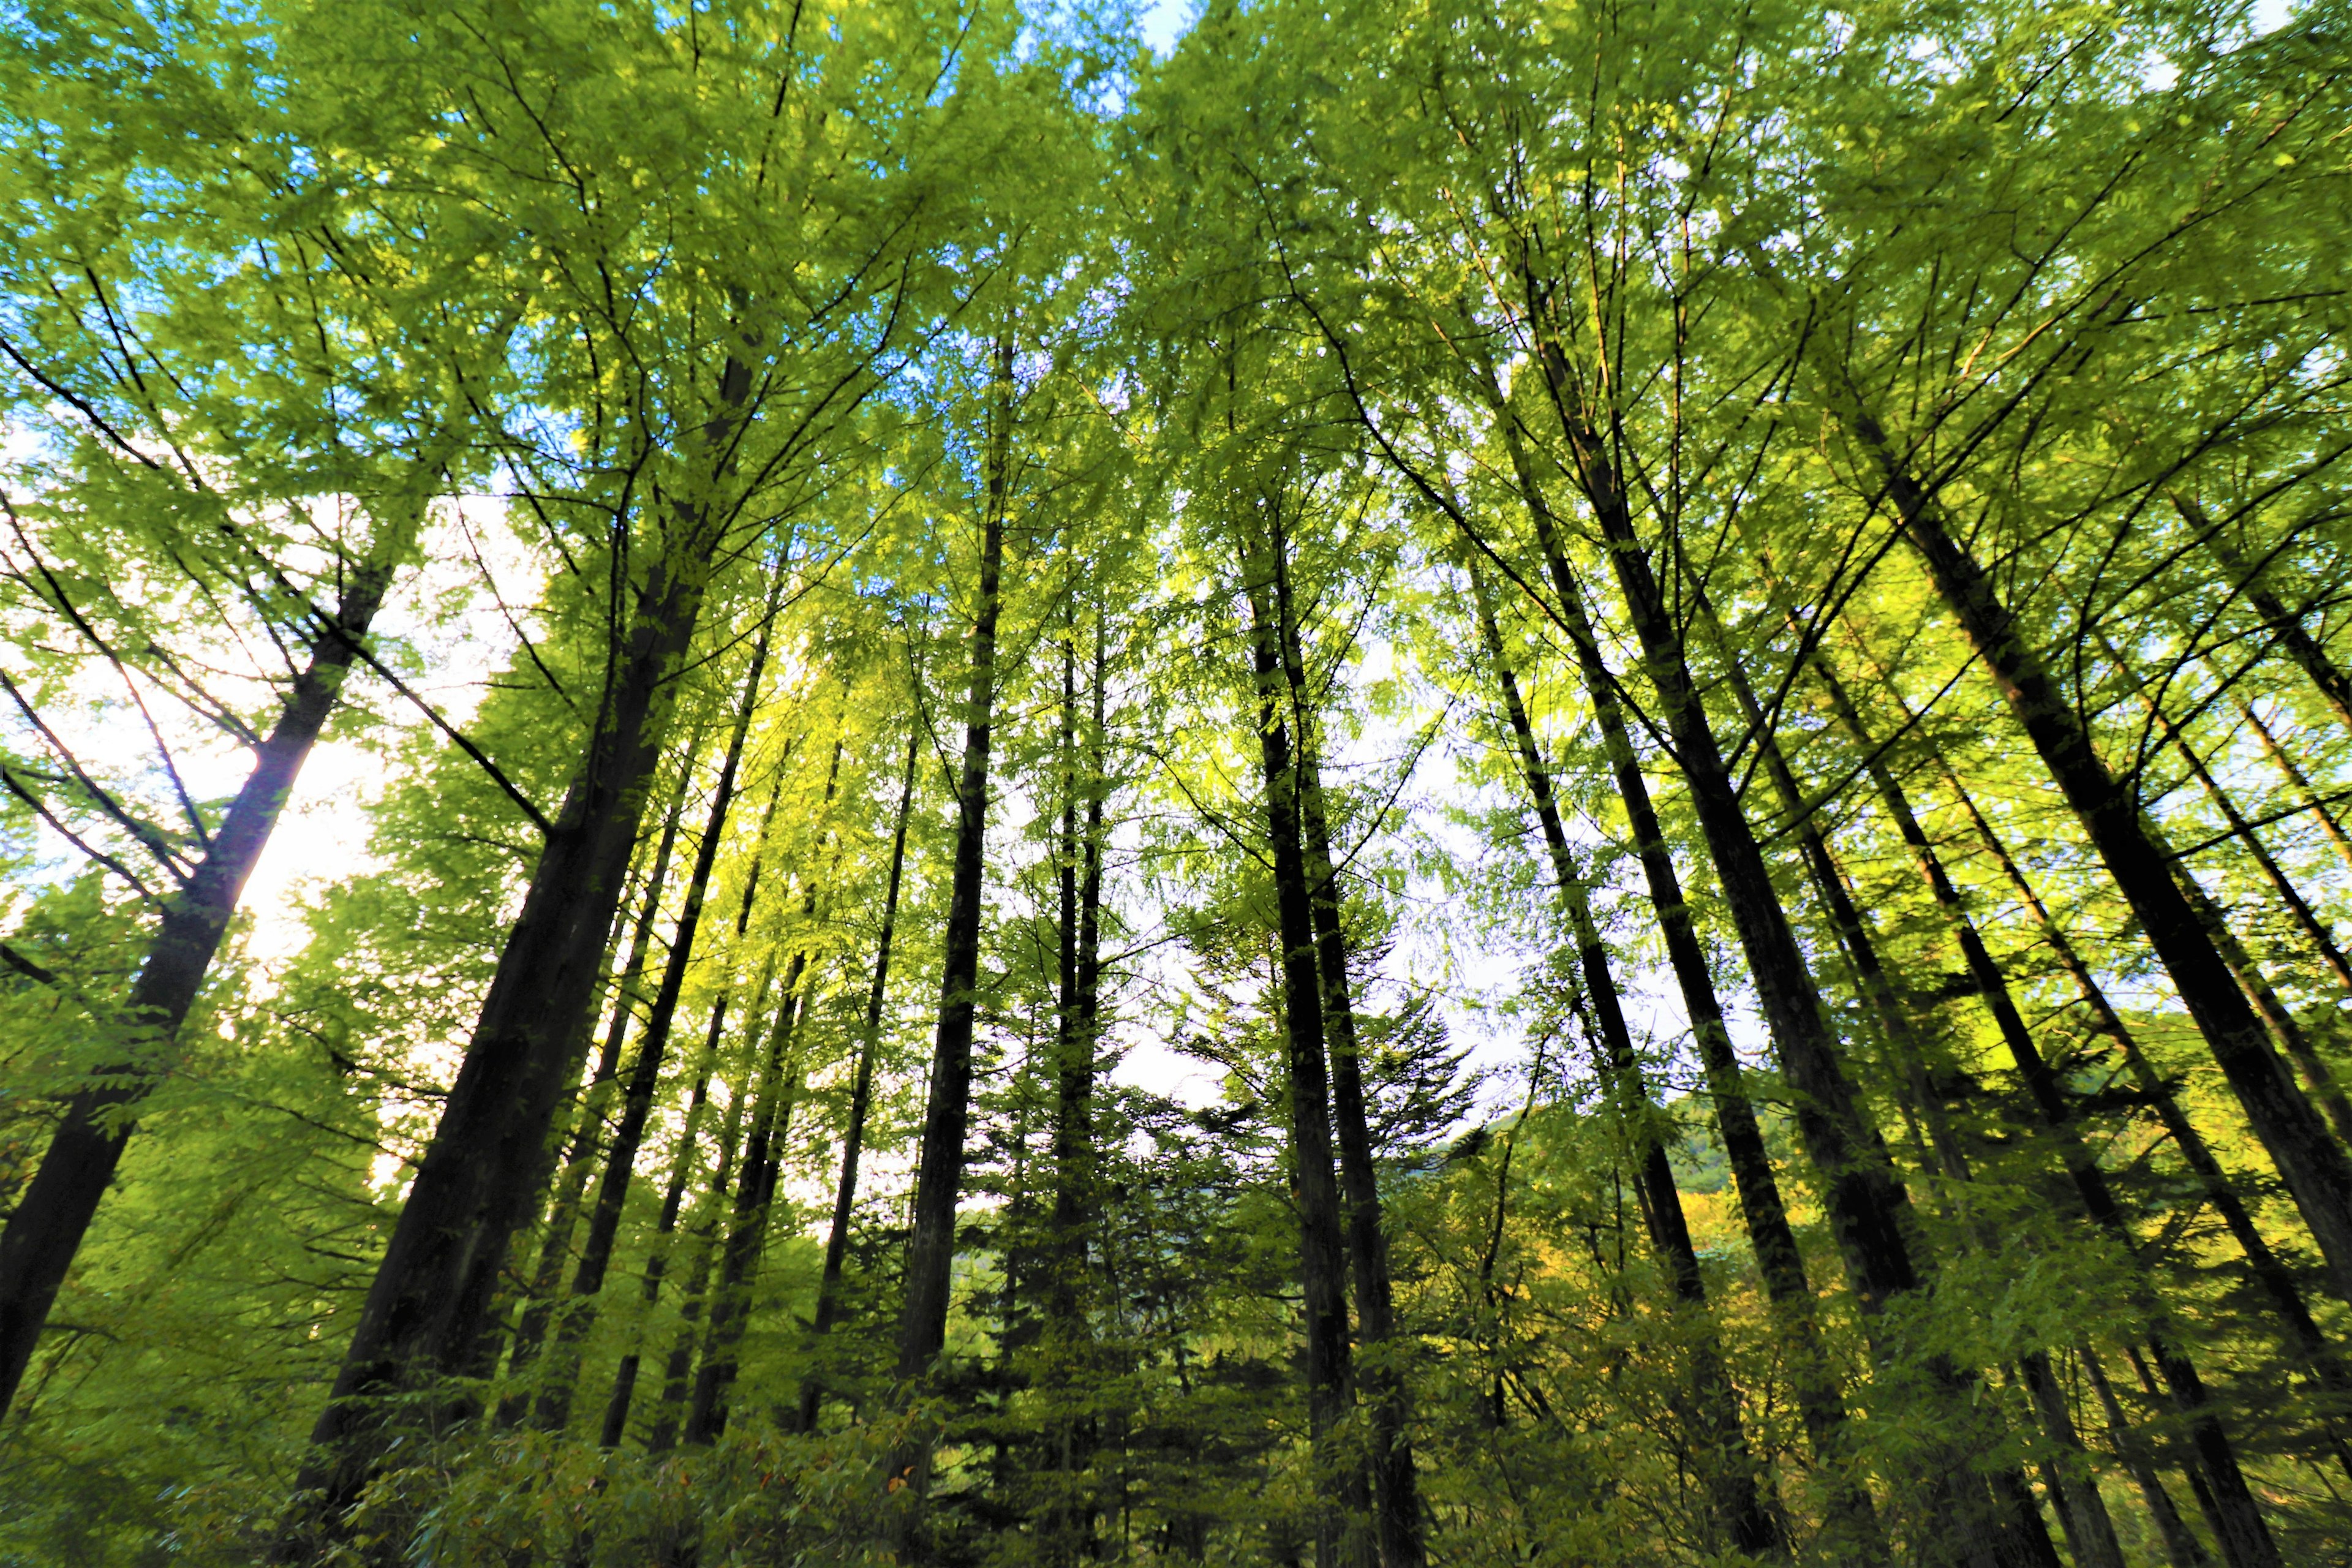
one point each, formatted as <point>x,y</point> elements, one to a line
<point>942,782</point>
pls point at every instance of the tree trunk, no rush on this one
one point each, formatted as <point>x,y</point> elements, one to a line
<point>1762,1208</point>
<point>2269,1270</point>
<point>2313,800</point>
<point>588,1135</point>
<point>2181,1545</point>
<point>53,1215</point>
<point>1322,1255</point>
<point>483,1174</point>
<point>947,1111</point>
<point>644,1077</point>
<point>2317,1170</point>
<point>1730,1465</point>
<point>747,1235</point>
<point>2309,655</point>
<point>1069,1528</point>
<point>2247,1542</point>
<point>861,1098</point>
<point>704,1234</point>
<point>1395,1483</point>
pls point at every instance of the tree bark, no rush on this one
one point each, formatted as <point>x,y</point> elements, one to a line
<point>1762,1209</point>
<point>1730,1465</point>
<point>861,1098</point>
<point>2315,1165</point>
<point>588,1135</point>
<point>1395,1483</point>
<point>53,1214</point>
<point>947,1111</point>
<point>484,1172</point>
<point>1322,1253</point>
<point>644,1077</point>
<point>2246,1542</point>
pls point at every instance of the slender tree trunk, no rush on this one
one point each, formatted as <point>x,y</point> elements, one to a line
<point>588,1135</point>
<point>2029,1539</point>
<point>2269,1270</point>
<point>1762,1208</point>
<point>2316,803</point>
<point>2180,1544</point>
<point>1730,1465</point>
<point>2309,654</point>
<point>755,1195</point>
<point>2316,1167</point>
<point>861,1098</point>
<point>53,1215</point>
<point>1381,1373</point>
<point>644,1077</point>
<point>1069,1525</point>
<point>2246,1542</point>
<point>704,1239</point>
<point>1322,1251</point>
<point>947,1111</point>
<point>487,1166</point>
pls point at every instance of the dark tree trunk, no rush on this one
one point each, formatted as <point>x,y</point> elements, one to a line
<point>644,1077</point>
<point>53,1214</point>
<point>2269,1271</point>
<point>588,1134</point>
<point>1069,1525</point>
<point>2317,1170</point>
<point>1381,1373</point>
<point>2309,654</point>
<point>1762,1208</point>
<point>2180,1544</point>
<point>747,1234</point>
<point>2246,1540</point>
<point>672,1400</point>
<point>1730,1465</point>
<point>947,1111</point>
<point>1322,1251</point>
<point>487,1166</point>
<point>861,1097</point>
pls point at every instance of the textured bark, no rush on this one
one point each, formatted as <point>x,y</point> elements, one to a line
<point>2269,1271</point>
<point>947,1111</point>
<point>2247,1541</point>
<point>1762,1209</point>
<point>2316,1167</point>
<point>1321,1247</point>
<point>1067,1530</point>
<point>53,1214</point>
<point>645,1076</point>
<point>2181,1546</point>
<point>1395,1483</point>
<point>588,1134</point>
<point>1731,1475</point>
<point>861,1097</point>
<point>487,1164</point>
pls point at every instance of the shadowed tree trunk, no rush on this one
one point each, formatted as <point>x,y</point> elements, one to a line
<point>947,1111</point>
<point>46,1227</point>
<point>2309,654</point>
<point>2247,1533</point>
<point>482,1175</point>
<point>861,1097</point>
<point>1379,1372</point>
<point>1730,1465</point>
<point>1322,1250</point>
<point>1762,1208</point>
<point>644,1077</point>
<point>2316,1167</point>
